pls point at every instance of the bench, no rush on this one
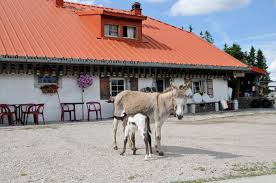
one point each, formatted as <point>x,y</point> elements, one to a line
<point>191,106</point>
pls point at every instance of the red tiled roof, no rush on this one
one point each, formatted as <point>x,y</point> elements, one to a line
<point>37,28</point>
<point>258,70</point>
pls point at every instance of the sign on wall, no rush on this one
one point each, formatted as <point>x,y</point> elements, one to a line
<point>238,74</point>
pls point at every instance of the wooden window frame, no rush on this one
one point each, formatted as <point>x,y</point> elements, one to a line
<point>109,30</point>
<point>201,82</point>
<point>136,32</point>
<point>110,86</point>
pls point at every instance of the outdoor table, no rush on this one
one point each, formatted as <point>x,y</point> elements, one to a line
<point>18,115</point>
<point>74,107</point>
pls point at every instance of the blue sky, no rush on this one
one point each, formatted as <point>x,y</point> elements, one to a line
<point>246,22</point>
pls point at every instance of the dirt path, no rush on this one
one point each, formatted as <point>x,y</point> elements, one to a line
<point>83,152</point>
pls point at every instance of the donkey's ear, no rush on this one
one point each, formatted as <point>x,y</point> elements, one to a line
<point>182,87</point>
<point>173,87</point>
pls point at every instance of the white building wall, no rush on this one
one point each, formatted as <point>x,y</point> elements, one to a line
<point>20,90</point>
<point>220,89</point>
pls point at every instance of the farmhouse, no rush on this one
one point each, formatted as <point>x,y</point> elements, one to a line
<point>46,42</point>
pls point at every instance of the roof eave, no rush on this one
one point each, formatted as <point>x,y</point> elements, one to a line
<point>115,63</point>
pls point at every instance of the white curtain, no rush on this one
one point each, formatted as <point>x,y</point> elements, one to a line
<point>106,30</point>
<point>131,32</point>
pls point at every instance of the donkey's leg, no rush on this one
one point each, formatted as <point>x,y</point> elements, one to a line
<point>145,136</point>
<point>114,132</point>
<point>133,143</point>
<point>124,148</point>
<point>158,138</point>
<point>130,142</point>
<point>149,140</point>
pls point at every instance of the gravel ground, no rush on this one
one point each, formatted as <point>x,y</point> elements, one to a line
<point>82,152</point>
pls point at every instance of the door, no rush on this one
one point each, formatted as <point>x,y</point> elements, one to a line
<point>160,85</point>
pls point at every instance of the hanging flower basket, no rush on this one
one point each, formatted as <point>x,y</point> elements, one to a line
<point>85,81</point>
<point>49,89</point>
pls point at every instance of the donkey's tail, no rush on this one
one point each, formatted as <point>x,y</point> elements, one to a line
<point>120,117</point>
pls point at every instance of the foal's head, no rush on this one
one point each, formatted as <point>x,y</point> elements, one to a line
<point>180,96</point>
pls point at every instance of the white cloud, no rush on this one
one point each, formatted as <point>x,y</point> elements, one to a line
<point>199,7</point>
<point>272,70</point>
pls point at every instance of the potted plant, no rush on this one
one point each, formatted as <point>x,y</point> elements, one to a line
<point>49,89</point>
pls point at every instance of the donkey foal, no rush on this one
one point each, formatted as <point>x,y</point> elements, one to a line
<point>138,122</point>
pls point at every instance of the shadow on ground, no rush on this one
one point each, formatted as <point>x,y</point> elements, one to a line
<point>177,151</point>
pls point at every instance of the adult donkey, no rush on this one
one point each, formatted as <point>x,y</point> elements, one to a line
<point>157,106</point>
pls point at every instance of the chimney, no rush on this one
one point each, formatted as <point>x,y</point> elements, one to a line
<point>136,9</point>
<point>59,3</point>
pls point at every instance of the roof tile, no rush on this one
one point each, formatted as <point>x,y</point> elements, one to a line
<point>38,28</point>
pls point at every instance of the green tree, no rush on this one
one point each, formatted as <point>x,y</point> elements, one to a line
<point>201,35</point>
<point>190,28</point>
<point>251,59</point>
<point>235,51</point>
<point>260,60</point>
<point>261,63</point>
<point>225,47</point>
<point>208,37</point>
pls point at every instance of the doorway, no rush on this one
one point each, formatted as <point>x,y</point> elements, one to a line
<point>160,84</point>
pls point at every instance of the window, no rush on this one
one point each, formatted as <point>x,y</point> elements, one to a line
<point>130,32</point>
<point>199,86</point>
<point>111,30</point>
<point>117,86</point>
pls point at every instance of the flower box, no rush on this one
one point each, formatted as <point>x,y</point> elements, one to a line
<point>49,89</point>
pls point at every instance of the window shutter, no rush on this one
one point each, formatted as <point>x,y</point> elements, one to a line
<point>133,84</point>
<point>210,87</point>
<point>104,88</point>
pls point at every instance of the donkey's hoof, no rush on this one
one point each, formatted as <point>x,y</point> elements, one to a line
<point>161,153</point>
<point>134,152</point>
<point>146,158</point>
<point>122,153</point>
<point>115,148</point>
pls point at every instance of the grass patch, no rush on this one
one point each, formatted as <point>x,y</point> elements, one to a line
<point>23,174</point>
<point>241,171</point>
<point>200,169</point>
<point>131,177</point>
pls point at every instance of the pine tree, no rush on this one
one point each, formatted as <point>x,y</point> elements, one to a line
<point>208,37</point>
<point>252,56</point>
<point>201,34</point>
<point>261,63</point>
<point>235,51</point>
<point>190,28</point>
<point>225,47</point>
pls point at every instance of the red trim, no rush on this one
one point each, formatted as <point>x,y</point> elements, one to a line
<point>258,70</point>
<point>111,13</point>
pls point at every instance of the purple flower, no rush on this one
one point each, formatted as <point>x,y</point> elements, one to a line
<point>85,81</point>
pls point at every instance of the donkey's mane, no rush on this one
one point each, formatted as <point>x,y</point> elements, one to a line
<point>168,90</point>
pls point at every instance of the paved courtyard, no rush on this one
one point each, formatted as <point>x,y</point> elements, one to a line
<point>82,152</point>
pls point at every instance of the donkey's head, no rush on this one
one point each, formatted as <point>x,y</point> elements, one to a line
<point>180,95</point>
